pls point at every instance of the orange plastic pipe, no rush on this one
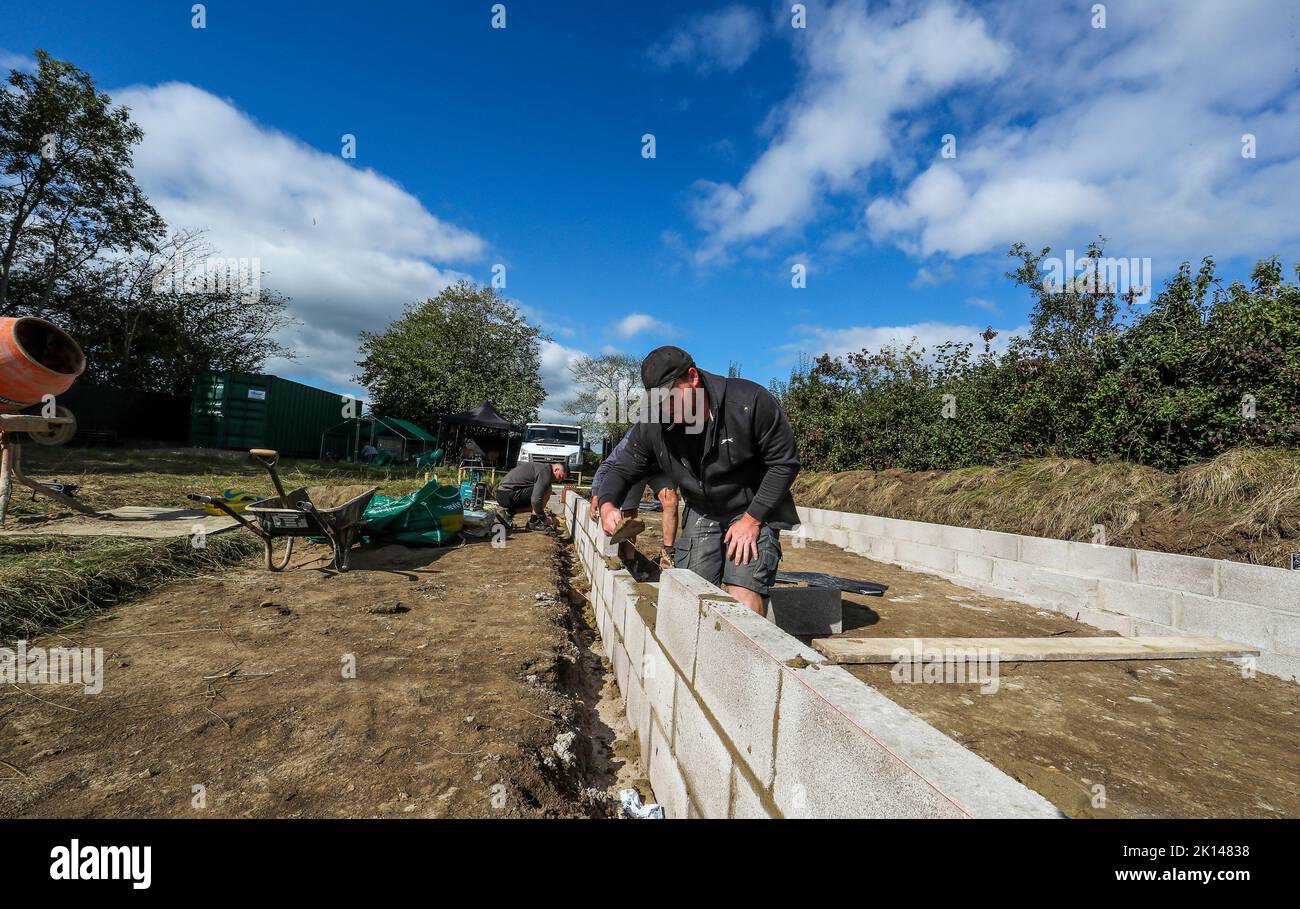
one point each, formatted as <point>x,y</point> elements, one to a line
<point>36,359</point>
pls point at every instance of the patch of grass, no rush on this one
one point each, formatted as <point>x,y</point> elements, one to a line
<point>51,582</point>
<point>48,583</point>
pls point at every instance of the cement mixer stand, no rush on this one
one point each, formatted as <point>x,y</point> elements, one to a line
<point>11,458</point>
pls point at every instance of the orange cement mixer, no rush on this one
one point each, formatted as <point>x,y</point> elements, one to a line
<point>36,359</point>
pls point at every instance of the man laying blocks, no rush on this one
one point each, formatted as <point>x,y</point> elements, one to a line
<point>665,491</point>
<point>728,447</point>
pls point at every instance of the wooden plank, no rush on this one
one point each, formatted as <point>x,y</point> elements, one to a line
<point>1012,650</point>
<point>26,422</point>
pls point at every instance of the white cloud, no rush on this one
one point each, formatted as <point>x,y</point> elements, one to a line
<point>859,71</point>
<point>720,40</point>
<point>21,62</point>
<point>350,246</point>
<point>1133,132</point>
<point>932,277</point>
<point>816,339</point>
<point>1064,132</point>
<point>987,305</point>
<point>638,323</point>
<point>556,359</point>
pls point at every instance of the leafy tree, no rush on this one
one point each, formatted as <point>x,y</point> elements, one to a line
<point>465,346</point>
<point>608,394</point>
<point>67,194</point>
<point>151,320</point>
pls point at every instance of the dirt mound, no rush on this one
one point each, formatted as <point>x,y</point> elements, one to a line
<point>1244,505</point>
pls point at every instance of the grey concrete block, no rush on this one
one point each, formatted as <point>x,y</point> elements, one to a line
<point>894,529</point>
<point>660,681</point>
<point>1177,572</point>
<point>853,522</point>
<point>922,532</point>
<point>615,603</point>
<point>737,674</point>
<point>859,543</point>
<point>806,610</point>
<point>882,550</point>
<point>1062,591</point>
<point>604,547</point>
<point>702,755</point>
<point>932,558</point>
<point>665,776</point>
<point>1286,634</point>
<point>618,656</point>
<point>977,568</point>
<point>1106,621</point>
<point>1236,622</point>
<point>605,626</point>
<point>1259,585</point>
<point>998,545</point>
<point>1092,560</point>
<point>961,539</point>
<point>681,596</point>
<point>1152,629</point>
<point>634,633</point>
<point>1009,574</point>
<point>845,750</point>
<point>1150,604</point>
<point>638,715</point>
<point>745,801</point>
<point>1045,553</point>
<point>1280,665</point>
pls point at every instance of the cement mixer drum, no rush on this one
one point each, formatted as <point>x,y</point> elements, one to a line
<point>37,359</point>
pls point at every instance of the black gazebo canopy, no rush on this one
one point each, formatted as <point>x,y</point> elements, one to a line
<point>484,416</point>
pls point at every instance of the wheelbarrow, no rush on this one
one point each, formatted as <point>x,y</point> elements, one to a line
<point>293,514</point>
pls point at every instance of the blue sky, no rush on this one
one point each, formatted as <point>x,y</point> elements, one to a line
<point>775,146</point>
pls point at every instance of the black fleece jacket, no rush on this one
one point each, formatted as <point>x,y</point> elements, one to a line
<point>749,457</point>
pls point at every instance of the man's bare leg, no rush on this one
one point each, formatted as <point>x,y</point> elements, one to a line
<point>748,597</point>
<point>668,518</point>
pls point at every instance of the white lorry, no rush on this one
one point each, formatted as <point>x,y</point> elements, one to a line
<point>552,443</point>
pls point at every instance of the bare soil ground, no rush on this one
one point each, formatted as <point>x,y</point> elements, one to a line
<point>473,696</point>
<point>1166,738</point>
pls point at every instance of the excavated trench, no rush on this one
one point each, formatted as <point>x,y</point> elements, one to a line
<point>611,760</point>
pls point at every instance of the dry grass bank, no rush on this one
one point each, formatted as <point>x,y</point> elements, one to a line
<point>1244,505</point>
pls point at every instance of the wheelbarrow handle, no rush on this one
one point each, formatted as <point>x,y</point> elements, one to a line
<point>220,503</point>
<point>268,458</point>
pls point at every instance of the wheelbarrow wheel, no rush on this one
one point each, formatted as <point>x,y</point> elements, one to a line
<point>270,555</point>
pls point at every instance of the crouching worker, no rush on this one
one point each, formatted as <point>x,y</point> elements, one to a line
<point>728,447</point>
<point>664,490</point>
<point>528,488</point>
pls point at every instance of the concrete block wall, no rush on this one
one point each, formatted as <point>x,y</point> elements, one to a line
<point>736,718</point>
<point>1129,591</point>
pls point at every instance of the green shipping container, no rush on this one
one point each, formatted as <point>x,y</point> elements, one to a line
<point>241,410</point>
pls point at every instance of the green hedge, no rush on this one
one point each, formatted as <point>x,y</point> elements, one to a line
<point>1200,369</point>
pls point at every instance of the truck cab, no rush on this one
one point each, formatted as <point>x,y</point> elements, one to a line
<point>552,443</point>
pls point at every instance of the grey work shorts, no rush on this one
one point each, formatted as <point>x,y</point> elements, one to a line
<point>658,483</point>
<point>702,549</point>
